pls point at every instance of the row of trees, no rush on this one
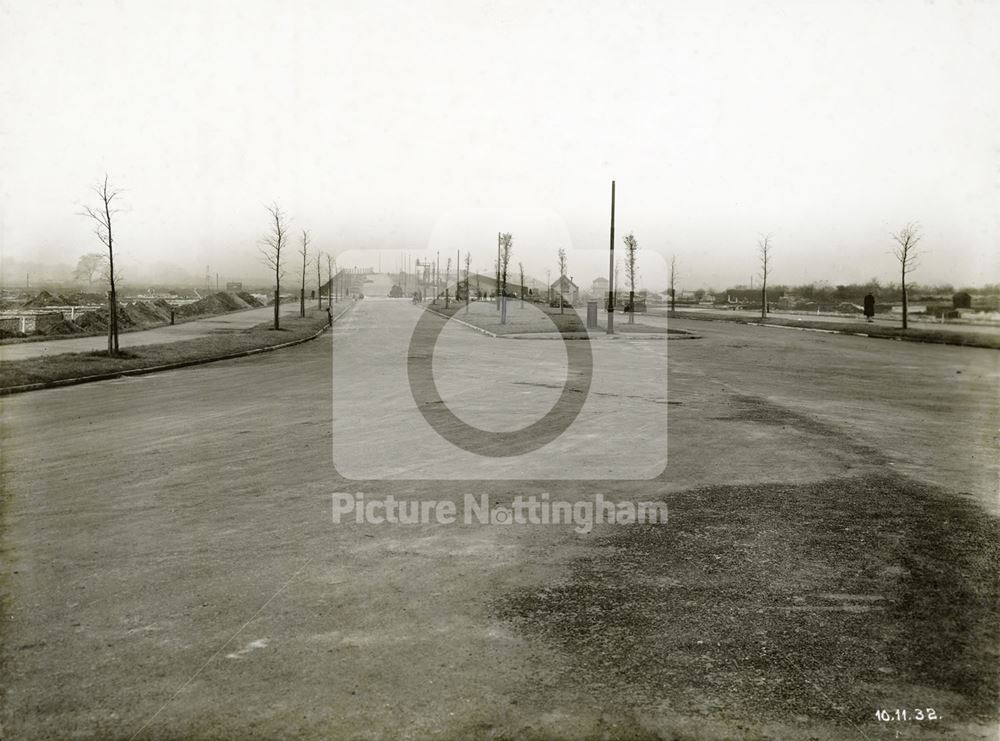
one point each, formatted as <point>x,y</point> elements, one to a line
<point>505,249</point>
<point>274,247</point>
<point>904,250</point>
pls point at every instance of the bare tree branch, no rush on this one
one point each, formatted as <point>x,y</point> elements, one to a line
<point>764,250</point>
<point>907,254</point>
<point>272,246</point>
<point>631,248</point>
<point>561,256</point>
<point>102,216</point>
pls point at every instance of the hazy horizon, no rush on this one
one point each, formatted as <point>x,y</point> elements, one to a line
<point>396,127</point>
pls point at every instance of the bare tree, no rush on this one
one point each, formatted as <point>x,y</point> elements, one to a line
<point>468,260</point>
<point>764,249</point>
<point>319,279</point>
<point>562,276</point>
<point>272,247</point>
<point>905,251</point>
<point>520,269</point>
<point>631,248</point>
<point>102,216</point>
<point>506,248</point>
<point>88,266</point>
<point>329,280</point>
<point>447,272</point>
<point>673,283</point>
<point>304,251</point>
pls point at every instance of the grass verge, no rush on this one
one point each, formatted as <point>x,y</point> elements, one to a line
<point>535,319</point>
<point>526,319</point>
<point>52,368</point>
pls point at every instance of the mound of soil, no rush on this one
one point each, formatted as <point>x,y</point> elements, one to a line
<point>41,300</point>
<point>97,321</point>
<point>217,303</point>
<point>250,300</point>
<point>148,313</point>
<point>62,327</point>
<point>44,299</point>
<point>93,320</point>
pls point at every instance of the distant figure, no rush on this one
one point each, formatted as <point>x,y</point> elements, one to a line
<point>329,317</point>
<point>171,317</point>
<point>869,307</point>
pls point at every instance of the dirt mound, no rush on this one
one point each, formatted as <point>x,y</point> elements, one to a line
<point>97,321</point>
<point>143,313</point>
<point>93,321</point>
<point>44,299</point>
<point>217,303</point>
<point>62,327</point>
<point>251,301</point>
<point>41,300</point>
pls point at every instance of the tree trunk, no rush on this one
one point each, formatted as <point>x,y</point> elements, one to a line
<point>302,302</point>
<point>277,301</point>
<point>631,302</point>
<point>111,326</point>
<point>763,300</point>
<point>114,315</point>
<point>905,302</point>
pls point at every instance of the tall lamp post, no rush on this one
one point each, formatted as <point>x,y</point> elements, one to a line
<point>611,267</point>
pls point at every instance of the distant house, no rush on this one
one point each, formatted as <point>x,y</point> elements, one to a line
<point>599,288</point>
<point>567,288</point>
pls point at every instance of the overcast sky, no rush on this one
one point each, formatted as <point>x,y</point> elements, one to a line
<point>432,125</point>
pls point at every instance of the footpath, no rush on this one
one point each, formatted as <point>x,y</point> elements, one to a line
<point>209,343</point>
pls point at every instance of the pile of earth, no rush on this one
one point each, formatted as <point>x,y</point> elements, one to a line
<point>219,303</point>
<point>61,327</point>
<point>44,299</point>
<point>137,314</point>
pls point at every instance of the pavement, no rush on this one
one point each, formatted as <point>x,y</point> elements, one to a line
<point>171,570</point>
<point>188,330</point>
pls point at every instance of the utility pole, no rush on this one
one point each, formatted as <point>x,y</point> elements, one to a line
<point>497,292</point>
<point>437,277</point>
<point>611,267</point>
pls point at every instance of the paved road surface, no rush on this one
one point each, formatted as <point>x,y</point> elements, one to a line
<point>157,336</point>
<point>171,569</point>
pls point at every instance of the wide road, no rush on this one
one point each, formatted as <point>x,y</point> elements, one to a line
<point>189,330</point>
<point>171,568</point>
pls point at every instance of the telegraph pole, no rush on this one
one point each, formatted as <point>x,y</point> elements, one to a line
<point>497,293</point>
<point>611,267</point>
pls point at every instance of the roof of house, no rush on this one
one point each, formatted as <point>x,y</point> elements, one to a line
<point>558,281</point>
